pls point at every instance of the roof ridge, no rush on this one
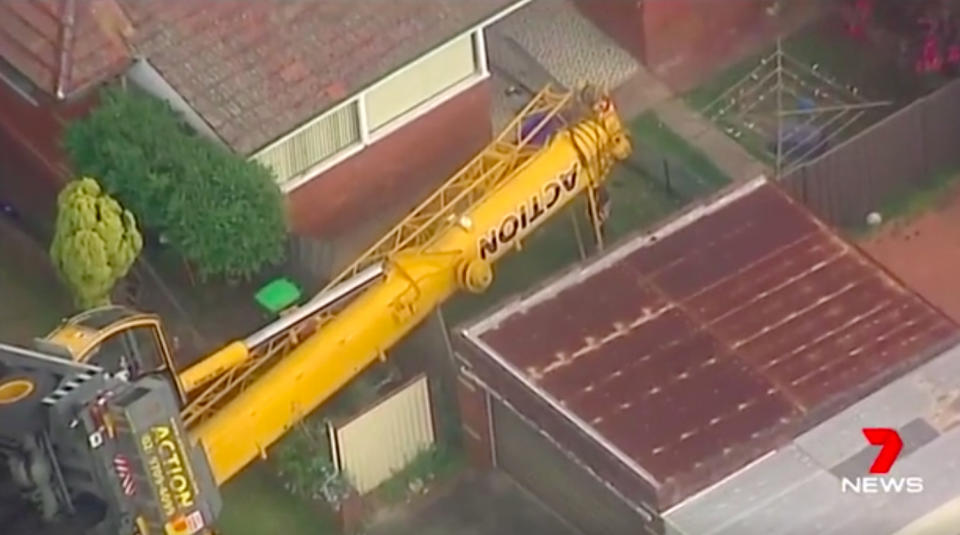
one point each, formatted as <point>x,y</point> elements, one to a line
<point>67,19</point>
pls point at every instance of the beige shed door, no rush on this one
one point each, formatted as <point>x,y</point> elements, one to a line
<point>385,438</point>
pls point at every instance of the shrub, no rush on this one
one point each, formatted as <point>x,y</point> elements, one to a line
<point>95,242</point>
<point>220,212</point>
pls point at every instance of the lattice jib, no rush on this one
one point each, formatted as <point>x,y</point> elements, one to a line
<point>484,172</point>
<point>478,178</point>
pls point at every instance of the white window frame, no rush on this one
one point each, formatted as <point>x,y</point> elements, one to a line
<point>368,138</point>
<point>476,70</point>
<point>16,85</point>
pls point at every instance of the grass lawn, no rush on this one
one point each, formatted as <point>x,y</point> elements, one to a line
<point>32,300</point>
<point>256,504</point>
<point>872,68</point>
<point>32,304</point>
<point>638,201</point>
<point>691,173</point>
<point>847,60</point>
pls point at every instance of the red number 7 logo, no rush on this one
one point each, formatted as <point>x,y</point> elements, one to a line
<point>890,446</point>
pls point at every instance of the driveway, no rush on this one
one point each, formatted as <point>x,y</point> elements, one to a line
<point>487,504</point>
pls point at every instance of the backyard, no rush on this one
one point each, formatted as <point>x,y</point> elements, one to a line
<point>663,174</point>
<point>641,194</point>
<point>827,85</point>
<point>34,300</point>
<point>919,240</point>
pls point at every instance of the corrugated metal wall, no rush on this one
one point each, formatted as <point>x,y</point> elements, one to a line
<point>543,469</point>
<point>899,153</point>
<point>373,446</point>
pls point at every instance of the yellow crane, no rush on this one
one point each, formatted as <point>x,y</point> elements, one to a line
<point>238,401</point>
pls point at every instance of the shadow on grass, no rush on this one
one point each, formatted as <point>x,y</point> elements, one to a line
<point>32,299</point>
<point>438,463</point>
<point>655,141</point>
<point>255,503</point>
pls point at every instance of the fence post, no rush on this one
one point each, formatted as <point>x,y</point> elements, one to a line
<point>803,185</point>
<point>924,136</point>
<point>666,175</point>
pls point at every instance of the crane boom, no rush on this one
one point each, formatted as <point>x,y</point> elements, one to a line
<point>229,368</point>
<point>90,418</point>
<point>416,280</point>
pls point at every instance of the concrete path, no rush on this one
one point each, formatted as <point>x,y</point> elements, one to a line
<point>568,45</point>
<point>550,41</point>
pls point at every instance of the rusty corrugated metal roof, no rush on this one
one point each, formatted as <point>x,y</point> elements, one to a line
<point>698,348</point>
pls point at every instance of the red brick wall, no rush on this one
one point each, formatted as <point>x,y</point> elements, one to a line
<point>622,20</point>
<point>397,168</point>
<point>32,165</point>
<point>686,39</point>
<point>475,422</point>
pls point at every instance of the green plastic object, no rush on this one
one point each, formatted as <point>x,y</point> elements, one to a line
<point>278,295</point>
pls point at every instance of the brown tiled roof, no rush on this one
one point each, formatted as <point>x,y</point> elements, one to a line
<point>61,45</point>
<point>253,69</point>
<point>698,351</point>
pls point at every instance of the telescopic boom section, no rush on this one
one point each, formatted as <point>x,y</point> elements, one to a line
<point>417,278</point>
<point>220,375</point>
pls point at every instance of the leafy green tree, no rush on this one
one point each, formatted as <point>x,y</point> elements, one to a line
<point>220,212</point>
<point>95,242</point>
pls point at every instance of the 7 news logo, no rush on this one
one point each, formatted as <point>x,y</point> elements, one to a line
<point>890,447</point>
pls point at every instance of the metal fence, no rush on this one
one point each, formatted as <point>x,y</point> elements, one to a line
<point>380,441</point>
<point>901,152</point>
<point>670,174</point>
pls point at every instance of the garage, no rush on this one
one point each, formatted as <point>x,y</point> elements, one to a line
<point>625,390</point>
<point>557,479</point>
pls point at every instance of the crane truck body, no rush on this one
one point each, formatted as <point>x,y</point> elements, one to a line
<point>165,440</point>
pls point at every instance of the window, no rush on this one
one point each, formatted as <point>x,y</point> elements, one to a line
<point>422,80</point>
<point>135,350</point>
<point>318,141</point>
<point>17,81</point>
<point>340,130</point>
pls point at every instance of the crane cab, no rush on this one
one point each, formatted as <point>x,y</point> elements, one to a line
<point>123,341</point>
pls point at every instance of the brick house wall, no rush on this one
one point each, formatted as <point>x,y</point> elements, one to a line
<point>473,402</point>
<point>32,163</point>
<point>684,41</point>
<point>398,169</point>
<point>623,21</point>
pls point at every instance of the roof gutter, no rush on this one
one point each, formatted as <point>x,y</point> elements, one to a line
<point>587,429</point>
